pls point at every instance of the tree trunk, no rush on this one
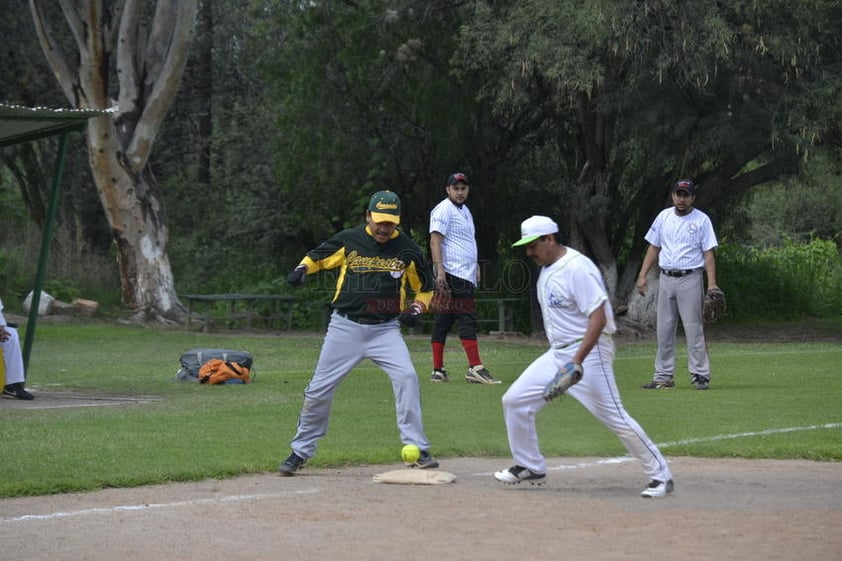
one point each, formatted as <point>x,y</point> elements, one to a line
<point>138,227</point>
<point>593,191</point>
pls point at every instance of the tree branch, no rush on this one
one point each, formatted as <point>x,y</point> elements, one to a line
<point>71,10</point>
<point>162,89</point>
<point>51,50</point>
<point>127,73</point>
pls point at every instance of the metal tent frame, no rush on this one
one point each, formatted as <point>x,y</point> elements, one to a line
<point>20,124</point>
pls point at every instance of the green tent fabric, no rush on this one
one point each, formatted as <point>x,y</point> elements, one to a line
<point>24,124</point>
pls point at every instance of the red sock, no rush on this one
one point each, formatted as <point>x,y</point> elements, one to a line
<point>438,356</point>
<point>472,350</point>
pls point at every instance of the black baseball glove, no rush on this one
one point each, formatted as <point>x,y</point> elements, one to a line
<point>296,277</point>
<point>714,307</point>
<point>411,316</point>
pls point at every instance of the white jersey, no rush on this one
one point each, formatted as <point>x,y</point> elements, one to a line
<point>569,291</point>
<point>682,239</point>
<point>459,246</point>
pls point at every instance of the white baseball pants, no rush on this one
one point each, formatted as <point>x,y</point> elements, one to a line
<point>597,392</point>
<point>12,357</point>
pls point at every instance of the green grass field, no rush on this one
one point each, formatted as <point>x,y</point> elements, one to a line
<point>768,400</point>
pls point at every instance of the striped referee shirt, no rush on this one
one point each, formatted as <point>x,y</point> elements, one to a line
<point>682,239</point>
<point>459,247</point>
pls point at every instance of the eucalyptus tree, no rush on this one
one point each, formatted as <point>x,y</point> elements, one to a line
<point>129,54</point>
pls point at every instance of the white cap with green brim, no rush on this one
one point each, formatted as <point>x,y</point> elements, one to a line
<point>533,228</point>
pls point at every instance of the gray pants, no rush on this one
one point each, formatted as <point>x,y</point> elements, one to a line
<point>346,344</point>
<point>681,298</point>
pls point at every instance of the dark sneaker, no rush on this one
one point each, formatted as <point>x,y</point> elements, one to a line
<point>657,489</point>
<point>426,461</point>
<point>516,474</point>
<point>291,464</point>
<point>699,383</point>
<point>439,375</point>
<point>479,374</point>
<point>655,385</point>
<point>17,391</point>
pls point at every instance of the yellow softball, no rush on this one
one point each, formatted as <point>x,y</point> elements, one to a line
<point>410,453</point>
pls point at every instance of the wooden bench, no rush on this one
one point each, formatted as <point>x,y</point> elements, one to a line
<point>246,301</point>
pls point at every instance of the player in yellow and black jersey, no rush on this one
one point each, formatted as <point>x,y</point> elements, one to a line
<point>378,267</point>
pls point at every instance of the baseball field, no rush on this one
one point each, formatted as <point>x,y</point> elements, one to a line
<point>115,459</point>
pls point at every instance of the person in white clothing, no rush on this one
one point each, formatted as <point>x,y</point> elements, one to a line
<point>578,322</point>
<point>453,249</point>
<point>12,361</point>
<point>682,241</point>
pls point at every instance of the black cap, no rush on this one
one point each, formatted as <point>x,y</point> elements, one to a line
<point>685,185</point>
<point>454,178</point>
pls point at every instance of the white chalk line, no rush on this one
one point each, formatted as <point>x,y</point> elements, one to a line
<point>153,506</point>
<point>241,498</point>
<point>683,442</point>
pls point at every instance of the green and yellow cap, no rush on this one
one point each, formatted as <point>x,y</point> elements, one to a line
<point>385,206</point>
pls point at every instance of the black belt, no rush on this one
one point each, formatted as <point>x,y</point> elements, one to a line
<point>363,319</point>
<point>677,272</point>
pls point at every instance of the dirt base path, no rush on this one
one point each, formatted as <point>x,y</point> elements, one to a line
<point>589,509</point>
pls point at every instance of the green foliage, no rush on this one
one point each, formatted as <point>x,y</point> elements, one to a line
<point>314,105</point>
<point>11,282</point>
<point>788,282</point>
<point>727,93</point>
<point>800,208</point>
<point>71,272</point>
<point>188,432</point>
<point>62,289</point>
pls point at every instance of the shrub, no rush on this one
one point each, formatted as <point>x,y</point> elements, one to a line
<point>791,281</point>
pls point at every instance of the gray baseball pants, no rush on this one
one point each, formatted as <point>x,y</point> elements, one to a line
<point>681,298</point>
<point>345,345</point>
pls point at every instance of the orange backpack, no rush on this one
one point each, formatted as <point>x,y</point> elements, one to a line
<point>216,371</point>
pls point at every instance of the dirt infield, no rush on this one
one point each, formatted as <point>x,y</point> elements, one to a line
<point>589,509</point>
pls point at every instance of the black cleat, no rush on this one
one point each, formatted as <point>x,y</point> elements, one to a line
<point>291,464</point>
<point>426,461</point>
<point>17,391</point>
<point>655,385</point>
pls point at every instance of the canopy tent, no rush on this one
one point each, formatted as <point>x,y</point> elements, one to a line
<point>25,124</point>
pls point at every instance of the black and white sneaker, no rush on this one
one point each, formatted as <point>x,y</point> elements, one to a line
<point>426,461</point>
<point>699,382</point>
<point>518,474</point>
<point>657,489</point>
<point>439,375</point>
<point>658,385</point>
<point>291,464</point>
<point>17,391</point>
<point>479,374</point>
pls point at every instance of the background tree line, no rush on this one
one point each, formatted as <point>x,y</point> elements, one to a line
<point>289,114</point>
